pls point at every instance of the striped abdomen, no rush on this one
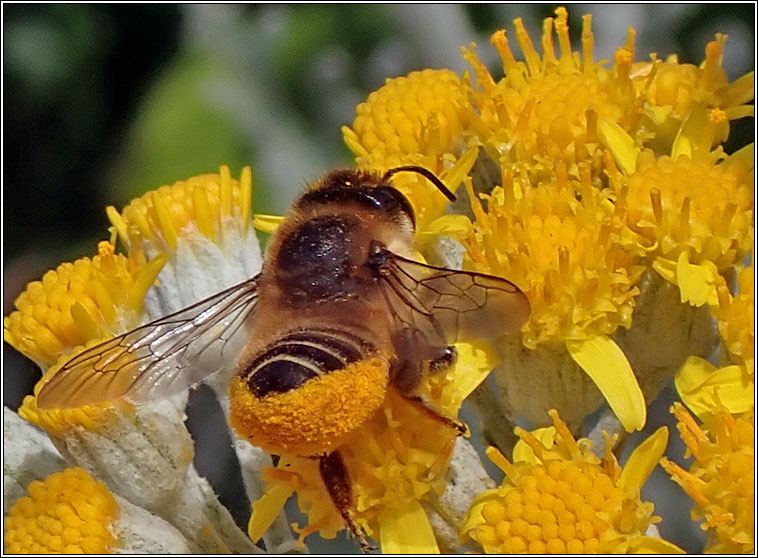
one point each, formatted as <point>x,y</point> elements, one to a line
<point>299,356</point>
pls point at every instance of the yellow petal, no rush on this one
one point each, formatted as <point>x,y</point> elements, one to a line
<point>461,169</point>
<point>744,111</point>
<point>620,143</point>
<point>607,365</point>
<point>474,517</point>
<point>407,530</point>
<point>744,156</point>
<point>652,545</point>
<point>267,223</point>
<point>475,361</point>
<point>698,382</point>
<point>522,452</point>
<point>739,91</point>
<point>643,460</point>
<point>353,142</point>
<point>697,283</point>
<point>266,508</point>
<point>452,225</point>
<point>658,114</point>
<point>666,269</point>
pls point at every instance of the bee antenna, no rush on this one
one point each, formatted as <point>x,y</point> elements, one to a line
<point>429,175</point>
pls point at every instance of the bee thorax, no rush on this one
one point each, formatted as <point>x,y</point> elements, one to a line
<point>317,260</point>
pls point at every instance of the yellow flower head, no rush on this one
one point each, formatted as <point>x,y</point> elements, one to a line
<point>736,318</point>
<point>75,307</point>
<point>574,259</point>
<point>546,110</point>
<point>673,92</point>
<point>566,245</point>
<point>721,481</point>
<point>395,460</point>
<point>422,113</point>
<point>67,513</point>
<point>81,304</point>
<point>205,202</point>
<point>416,119</point>
<point>88,299</point>
<point>690,206</point>
<point>558,498</point>
<point>185,242</point>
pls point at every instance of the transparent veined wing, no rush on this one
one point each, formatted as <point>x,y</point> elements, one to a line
<point>158,359</point>
<point>444,306</point>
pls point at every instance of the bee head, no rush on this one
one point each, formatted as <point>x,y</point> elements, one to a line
<point>369,191</point>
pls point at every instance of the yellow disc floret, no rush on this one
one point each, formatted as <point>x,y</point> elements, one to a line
<point>721,481</point>
<point>204,201</point>
<point>692,206</point>
<point>314,418</point>
<point>546,110</point>
<point>561,499</point>
<point>67,513</point>
<point>87,299</point>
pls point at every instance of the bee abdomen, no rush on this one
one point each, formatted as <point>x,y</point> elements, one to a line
<point>299,356</point>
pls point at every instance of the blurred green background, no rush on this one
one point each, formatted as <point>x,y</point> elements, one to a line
<point>103,102</point>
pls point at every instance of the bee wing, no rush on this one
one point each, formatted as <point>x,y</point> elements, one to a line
<point>158,359</point>
<point>447,306</point>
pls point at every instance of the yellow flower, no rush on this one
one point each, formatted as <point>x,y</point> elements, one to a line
<point>185,242</point>
<point>736,319</point>
<point>544,113</point>
<point>417,119</point>
<point>578,264</point>
<point>60,504</point>
<point>559,497</point>
<point>67,513</point>
<point>705,388</point>
<point>77,302</point>
<point>721,481</point>
<point>396,461</point>
<point>695,217</point>
<point>673,92</point>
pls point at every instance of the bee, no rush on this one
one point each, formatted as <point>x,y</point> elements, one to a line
<point>339,314</point>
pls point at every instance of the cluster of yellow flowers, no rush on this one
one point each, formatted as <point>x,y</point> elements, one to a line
<point>603,193</point>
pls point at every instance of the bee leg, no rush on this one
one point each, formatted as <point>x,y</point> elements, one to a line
<point>419,403</point>
<point>406,374</point>
<point>337,482</point>
<point>445,360</point>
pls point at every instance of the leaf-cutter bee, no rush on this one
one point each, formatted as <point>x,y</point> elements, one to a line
<point>339,314</point>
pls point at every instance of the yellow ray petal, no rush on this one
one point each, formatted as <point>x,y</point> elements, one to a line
<point>266,508</point>
<point>522,452</point>
<point>697,381</point>
<point>607,365</point>
<point>449,224</point>
<point>407,531</point>
<point>267,223</point>
<point>643,460</point>
<point>620,143</point>
<point>652,545</point>
<point>475,362</point>
<point>697,283</point>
